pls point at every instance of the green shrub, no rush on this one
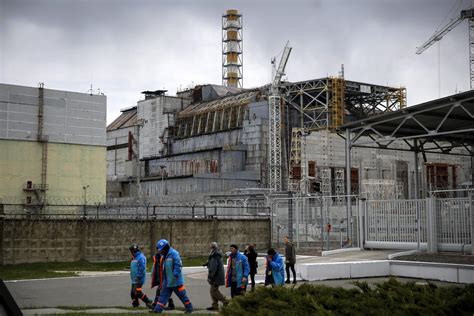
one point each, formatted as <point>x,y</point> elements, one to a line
<point>387,298</point>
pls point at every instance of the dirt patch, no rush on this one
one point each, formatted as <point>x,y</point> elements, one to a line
<point>439,257</point>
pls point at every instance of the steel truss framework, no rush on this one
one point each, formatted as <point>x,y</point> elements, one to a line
<point>313,100</point>
<point>437,126</point>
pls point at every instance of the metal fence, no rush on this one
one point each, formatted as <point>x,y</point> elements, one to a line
<point>433,224</point>
<point>132,211</point>
<point>313,221</point>
<point>395,224</point>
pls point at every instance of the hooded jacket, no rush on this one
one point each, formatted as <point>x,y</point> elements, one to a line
<point>278,269</point>
<point>215,267</point>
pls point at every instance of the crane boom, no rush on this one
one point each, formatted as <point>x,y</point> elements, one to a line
<point>280,72</point>
<point>439,34</point>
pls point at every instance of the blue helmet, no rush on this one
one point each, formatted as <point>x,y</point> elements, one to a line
<point>162,243</point>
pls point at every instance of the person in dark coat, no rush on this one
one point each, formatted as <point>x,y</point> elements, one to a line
<point>290,259</point>
<point>252,257</point>
<point>216,276</point>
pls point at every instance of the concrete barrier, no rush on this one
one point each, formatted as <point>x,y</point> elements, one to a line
<point>457,273</point>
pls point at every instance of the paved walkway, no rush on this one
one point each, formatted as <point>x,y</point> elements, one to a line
<point>99,291</point>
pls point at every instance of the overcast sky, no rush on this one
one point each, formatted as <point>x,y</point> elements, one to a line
<point>125,47</point>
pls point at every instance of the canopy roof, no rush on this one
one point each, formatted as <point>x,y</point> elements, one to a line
<point>436,126</point>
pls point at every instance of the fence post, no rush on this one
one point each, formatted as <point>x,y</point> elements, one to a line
<point>471,211</point>
<point>2,219</point>
<point>214,229</point>
<point>322,224</point>
<point>83,231</point>
<point>360,210</point>
<point>432,241</point>
<point>298,208</point>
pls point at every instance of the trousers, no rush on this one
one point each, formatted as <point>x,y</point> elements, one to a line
<point>216,296</point>
<point>136,294</point>
<point>165,295</point>
<point>292,266</point>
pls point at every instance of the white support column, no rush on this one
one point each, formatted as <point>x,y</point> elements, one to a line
<point>431,228</point>
<point>361,208</point>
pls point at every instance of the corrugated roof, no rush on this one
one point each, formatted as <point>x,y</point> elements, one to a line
<point>242,98</point>
<point>126,119</point>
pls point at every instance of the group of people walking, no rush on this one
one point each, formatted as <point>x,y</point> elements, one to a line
<point>167,275</point>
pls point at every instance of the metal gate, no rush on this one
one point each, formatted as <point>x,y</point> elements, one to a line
<point>395,224</point>
<point>432,224</point>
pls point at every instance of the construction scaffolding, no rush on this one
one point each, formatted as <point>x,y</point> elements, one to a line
<point>337,102</point>
<point>323,103</point>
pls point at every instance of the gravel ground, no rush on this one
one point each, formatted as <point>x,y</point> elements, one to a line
<point>440,257</point>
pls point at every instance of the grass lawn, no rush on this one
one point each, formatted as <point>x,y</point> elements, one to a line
<point>67,269</point>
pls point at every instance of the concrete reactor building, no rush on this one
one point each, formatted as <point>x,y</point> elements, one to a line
<point>52,146</point>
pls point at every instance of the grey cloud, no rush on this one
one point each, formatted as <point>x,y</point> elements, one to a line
<point>125,47</point>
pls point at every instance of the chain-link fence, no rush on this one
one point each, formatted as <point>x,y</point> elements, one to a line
<point>317,222</point>
<point>132,211</point>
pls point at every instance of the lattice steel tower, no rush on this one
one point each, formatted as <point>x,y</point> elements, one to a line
<point>232,61</point>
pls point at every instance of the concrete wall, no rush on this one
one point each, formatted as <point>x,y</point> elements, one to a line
<point>158,114</point>
<point>118,165</point>
<point>24,240</point>
<point>70,168</point>
<point>69,117</point>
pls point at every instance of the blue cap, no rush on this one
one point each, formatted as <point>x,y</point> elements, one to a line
<point>162,243</point>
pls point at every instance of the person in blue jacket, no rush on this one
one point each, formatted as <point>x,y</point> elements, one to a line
<point>171,277</point>
<point>238,270</point>
<point>275,268</point>
<point>137,276</point>
<point>156,279</point>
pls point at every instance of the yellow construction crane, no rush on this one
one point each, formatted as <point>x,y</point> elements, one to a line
<point>438,35</point>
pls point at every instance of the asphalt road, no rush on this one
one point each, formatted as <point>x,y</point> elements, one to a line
<point>99,291</point>
<point>113,290</point>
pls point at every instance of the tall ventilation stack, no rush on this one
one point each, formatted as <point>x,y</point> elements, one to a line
<point>232,65</point>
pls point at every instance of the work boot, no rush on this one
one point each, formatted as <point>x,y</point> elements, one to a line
<point>294,282</point>
<point>189,308</point>
<point>287,281</point>
<point>213,308</point>
<point>170,305</point>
